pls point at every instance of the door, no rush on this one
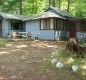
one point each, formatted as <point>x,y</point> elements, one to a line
<point>72,29</point>
<point>0,28</point>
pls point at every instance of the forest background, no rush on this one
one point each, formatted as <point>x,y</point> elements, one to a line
<point>35,7</point>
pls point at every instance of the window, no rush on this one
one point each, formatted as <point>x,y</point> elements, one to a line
<point>83,26</point>
<point>59,24</point>
<point>45,23</point>
<point>16,25</point>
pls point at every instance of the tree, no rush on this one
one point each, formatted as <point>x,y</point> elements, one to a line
<point>20,6</point>
<point>52,3</point>
<point>32,7</point>
<point>59,3</point>
<point>49,2</point>
<point>68,7</point>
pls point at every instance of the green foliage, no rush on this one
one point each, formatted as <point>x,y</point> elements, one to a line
<point>2,41</point>
<point>66,58</point>
<point>32,7</point>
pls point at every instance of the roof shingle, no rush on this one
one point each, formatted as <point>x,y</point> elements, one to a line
<point>13,16</point>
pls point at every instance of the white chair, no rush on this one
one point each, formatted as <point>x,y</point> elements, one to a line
<point>37,36</point>
<point>29,35</point>
<point>14,35</point>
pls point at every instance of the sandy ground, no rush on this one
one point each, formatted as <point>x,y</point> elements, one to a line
<point>20,60</point>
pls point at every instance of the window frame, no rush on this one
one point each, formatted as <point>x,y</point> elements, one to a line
<point>43,25</point>
<point>59,24</point>
<point>18,24</point>
<point>83,24</point>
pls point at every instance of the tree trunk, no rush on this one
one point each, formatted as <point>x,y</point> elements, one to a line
<point>59,4</point>
<point>49,2</point>
<point>68,7</point>
<point>20,6</point>
<point>53,3</point>
<point>36,6</point>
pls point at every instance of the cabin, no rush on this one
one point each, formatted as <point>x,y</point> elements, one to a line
<point>11,22</point>
<point>53,24</point>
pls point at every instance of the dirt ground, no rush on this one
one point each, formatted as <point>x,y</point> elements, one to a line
<point>20,60</point>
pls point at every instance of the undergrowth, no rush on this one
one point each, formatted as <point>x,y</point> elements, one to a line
<point>68,59</point>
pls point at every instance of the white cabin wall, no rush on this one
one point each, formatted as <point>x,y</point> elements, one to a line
<point>9,26</point>
<point>5,27</point>
<point>61,35</point>
<point>67,34</point>
<point>34,27</point>
<point>79,34</point>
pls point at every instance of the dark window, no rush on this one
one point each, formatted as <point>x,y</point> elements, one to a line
<point>83,26</point>
<point>59,24</point>
<point>16,25</point>
<point>45,23</point>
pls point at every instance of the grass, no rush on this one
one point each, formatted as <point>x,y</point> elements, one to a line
<point>65,73</point>
<point>2,42</point>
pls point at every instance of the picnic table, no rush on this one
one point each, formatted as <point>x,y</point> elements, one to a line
<point>22,34</point>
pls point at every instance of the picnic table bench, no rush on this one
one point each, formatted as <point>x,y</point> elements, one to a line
<point>23,35</point>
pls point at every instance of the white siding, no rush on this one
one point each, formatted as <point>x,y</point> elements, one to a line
<point>67,34</point>
<point>5,27</point>
<point>60,34</point>
<point>34,27</point>
<point>47,34</point>
<point>9,26</point>
<point>80,35</point>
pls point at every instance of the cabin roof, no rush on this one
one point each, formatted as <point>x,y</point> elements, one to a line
<point>54,13</point>
<point>46,15</point>
<point>49,13</point>
<point>13,16</point>
<point>61,13</point>
<point>58,11</point>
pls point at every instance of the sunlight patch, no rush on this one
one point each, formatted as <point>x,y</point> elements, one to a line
<point>70,60</point>
<point>13,77</point>
<point>21,46</point>
<point>3,48</point>
<point>3,52</point>
<point>53,54</point>
<point>8,45</point>
<point>15,50</point>
<point>43,45</point>
<point>83,73</point>
<point>54,46</point>
<point>38,45</point>
<point>84,67</point>
<point>1,78</point>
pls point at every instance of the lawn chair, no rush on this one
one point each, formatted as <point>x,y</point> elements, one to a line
<point>14,35</point>
<point>37,36</point>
